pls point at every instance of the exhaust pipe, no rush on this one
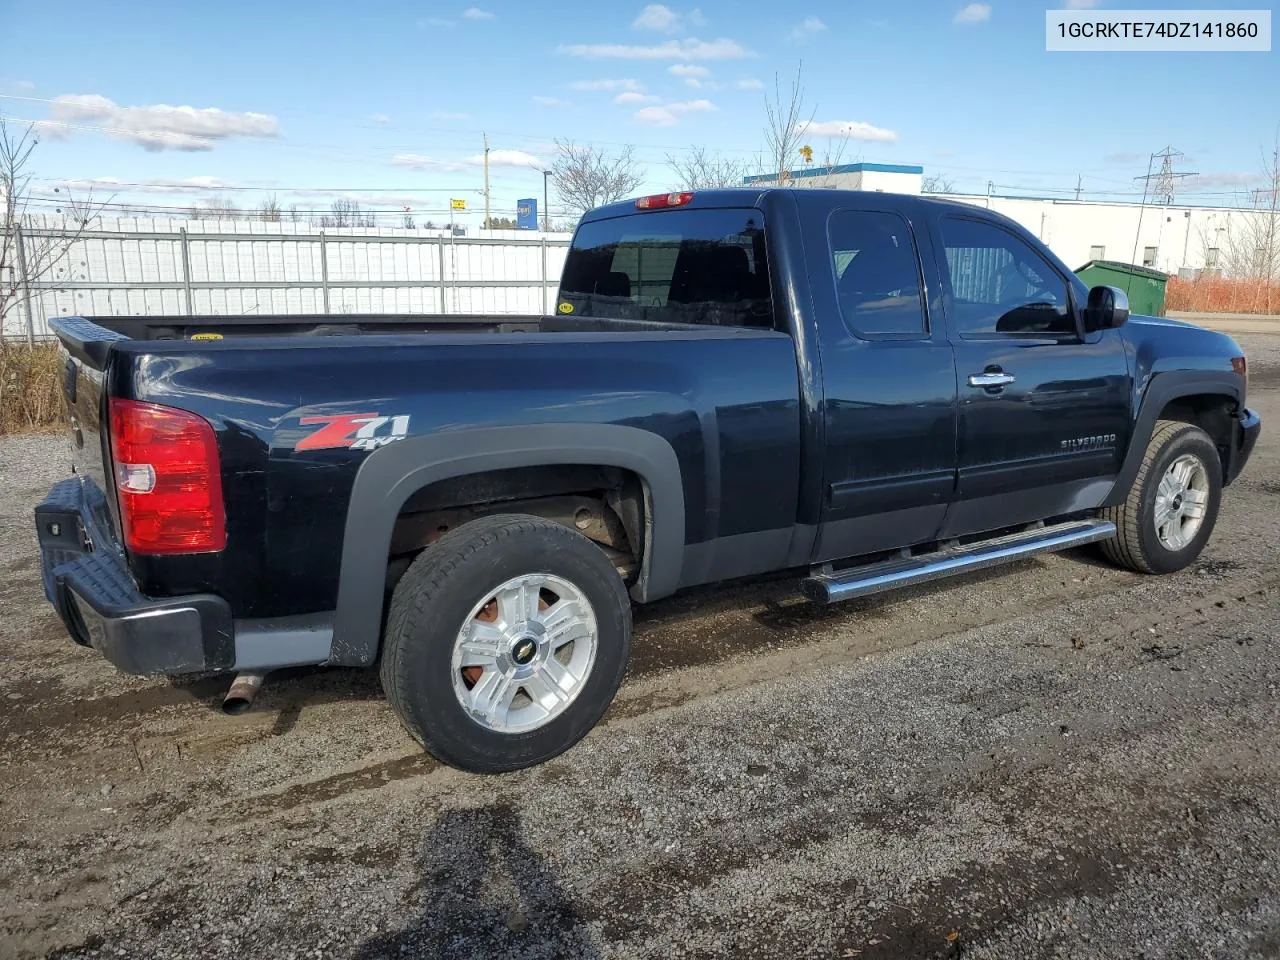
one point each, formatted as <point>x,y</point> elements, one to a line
<point>244,688</point>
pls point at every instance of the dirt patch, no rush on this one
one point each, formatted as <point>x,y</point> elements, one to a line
<point>1054,759</point>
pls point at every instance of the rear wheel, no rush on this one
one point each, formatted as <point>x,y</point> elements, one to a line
<point>1172,506</point>
<point>506,642</point>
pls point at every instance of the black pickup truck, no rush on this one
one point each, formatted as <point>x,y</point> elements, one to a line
<point>873,390</point>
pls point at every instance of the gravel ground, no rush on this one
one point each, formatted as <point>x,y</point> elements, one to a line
<point>1055,759</point>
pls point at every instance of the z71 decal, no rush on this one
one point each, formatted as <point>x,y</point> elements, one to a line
<point>355,431</point>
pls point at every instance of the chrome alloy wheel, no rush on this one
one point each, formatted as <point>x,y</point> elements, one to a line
<point>1182,498</point>
<point>524,653</point>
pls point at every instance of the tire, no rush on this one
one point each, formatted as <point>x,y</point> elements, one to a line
<point>1138,544</point>
<point>557,584</point>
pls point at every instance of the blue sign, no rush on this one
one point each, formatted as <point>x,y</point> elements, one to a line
<point>527,214</point>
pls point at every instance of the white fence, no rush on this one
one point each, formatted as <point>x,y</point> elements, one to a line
<point>176,267</point>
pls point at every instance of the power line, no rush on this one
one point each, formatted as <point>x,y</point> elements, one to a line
<point>180,187</point>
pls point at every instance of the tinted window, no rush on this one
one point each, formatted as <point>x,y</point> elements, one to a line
<point>877,276</point>
<point>1000,285</point>
<point>682,266</point>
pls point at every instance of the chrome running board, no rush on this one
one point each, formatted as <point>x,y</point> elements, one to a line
<point>834,586</point>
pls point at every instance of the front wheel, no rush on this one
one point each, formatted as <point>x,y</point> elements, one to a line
<point>1171,509</point>
<point>506,642</point>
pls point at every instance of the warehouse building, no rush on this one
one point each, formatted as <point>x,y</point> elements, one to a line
<point>1178,239</point>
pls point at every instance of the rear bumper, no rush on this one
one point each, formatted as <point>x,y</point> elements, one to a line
<point>87,580</point>
<point>1244,435</point>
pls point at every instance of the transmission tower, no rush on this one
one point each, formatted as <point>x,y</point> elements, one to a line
<point>1159,186</point>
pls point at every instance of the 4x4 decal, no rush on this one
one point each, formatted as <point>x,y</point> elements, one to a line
<point>357,431</point>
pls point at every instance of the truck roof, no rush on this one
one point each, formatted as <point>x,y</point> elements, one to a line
<point>753,197</point>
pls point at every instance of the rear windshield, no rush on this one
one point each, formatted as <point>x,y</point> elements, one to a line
<point>675,266</point>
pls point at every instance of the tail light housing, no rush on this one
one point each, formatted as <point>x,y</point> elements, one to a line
<point>168,479</point>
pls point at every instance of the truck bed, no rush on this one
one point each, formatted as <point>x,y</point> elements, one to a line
<point>304,325</point>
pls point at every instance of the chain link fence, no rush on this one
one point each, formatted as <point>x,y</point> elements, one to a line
<point>192,267</point>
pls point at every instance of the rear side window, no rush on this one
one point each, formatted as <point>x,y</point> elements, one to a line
<point>877,274</point>
<point>999,286</point>
<point>678,266</point>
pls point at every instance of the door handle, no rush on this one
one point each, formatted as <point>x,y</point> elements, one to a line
<point>991,379</point>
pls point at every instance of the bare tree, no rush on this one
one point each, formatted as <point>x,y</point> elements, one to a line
<point>43,253</point>
<point>586,176</point>
<point>216,207</point>
<point>346,213</point>
<point>1248,246</point>
<point>785,122</point>
<point>700,170</point>
<point>937,183</point>
<point>270,210</point>
<point>832,156</point>
<point>407,221</point>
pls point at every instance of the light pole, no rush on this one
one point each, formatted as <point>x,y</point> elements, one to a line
<point>546,207</point>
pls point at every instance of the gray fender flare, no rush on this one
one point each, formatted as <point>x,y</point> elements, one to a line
<point>1165,387</point>
<point>389,476</point>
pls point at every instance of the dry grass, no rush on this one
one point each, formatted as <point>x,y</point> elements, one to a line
<point>30,388</point>
<point>1222,295</point>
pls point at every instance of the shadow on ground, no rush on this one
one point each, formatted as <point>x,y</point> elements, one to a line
<point>483,892</point>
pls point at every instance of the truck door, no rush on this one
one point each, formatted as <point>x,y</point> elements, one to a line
<point>1043,406</point>
<point>890,384</point>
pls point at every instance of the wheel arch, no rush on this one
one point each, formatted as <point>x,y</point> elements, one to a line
<point>391,475</point>
<point>1192,397</point>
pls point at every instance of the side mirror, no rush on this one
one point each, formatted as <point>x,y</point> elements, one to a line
<point>1108,307</point>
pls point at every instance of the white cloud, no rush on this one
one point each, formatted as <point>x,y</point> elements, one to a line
<point>628,97</point>
<point>475,13</point>
<point>807,28</point>
<point>688,49</point>
<point>691,74</point>
<point>691,106</point>
<point>551,102</point>
<point>379,118</point>
<point>51,130</point>
<point>748,83</point>
<point>658,17</point>
<point>160,126</point>
<point>497,158</point>
<point>657,117</point>
<point>185,185</point>
<point>419,161</point>
<point>851,129</point>
<point>505,158</point>
<point>973,13</point>
<point>669,114</point>
<point>1083,4</point>
<point>608,85</point>
<point>1222,180</point>
<point>446,115</point>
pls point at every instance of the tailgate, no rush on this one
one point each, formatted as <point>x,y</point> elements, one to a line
<point>83,348</point>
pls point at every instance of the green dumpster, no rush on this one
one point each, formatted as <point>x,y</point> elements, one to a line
<point>1143,286</point>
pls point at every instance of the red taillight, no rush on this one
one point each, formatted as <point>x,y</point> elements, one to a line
<point>1241,366</point>
<point>660,200</point>
<point>168,479</point>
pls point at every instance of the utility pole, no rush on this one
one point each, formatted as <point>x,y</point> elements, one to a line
<point>486,181</point>
<point>1079,180</point>
<point>546,207</point>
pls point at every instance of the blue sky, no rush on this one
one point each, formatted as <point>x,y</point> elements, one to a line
<point>388,100</point>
